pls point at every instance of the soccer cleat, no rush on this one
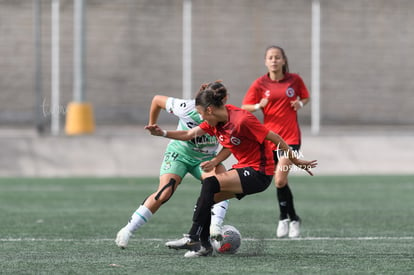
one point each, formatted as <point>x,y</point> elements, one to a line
<point>216,232</point>
<point>294,229</point>
<point>201,252</point>
<point>122,238</point>
<point>282,228</point>
<point>184,243</point>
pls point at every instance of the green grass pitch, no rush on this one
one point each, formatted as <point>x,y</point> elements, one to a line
<point>351,225</point>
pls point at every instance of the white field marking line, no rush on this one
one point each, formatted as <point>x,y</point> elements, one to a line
<point>244,239</point>
<point>332,239</point>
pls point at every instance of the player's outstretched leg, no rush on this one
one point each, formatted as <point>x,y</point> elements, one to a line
<point>138,219</point>
<point>122,237</point>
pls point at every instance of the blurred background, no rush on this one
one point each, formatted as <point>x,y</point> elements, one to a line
<point>358,69</point>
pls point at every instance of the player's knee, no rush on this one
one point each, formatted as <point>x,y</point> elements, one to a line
<point>211,185</point>
<point>166,192</point>
<point>279,183</point>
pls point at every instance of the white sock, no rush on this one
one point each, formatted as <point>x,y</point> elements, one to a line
<point>218,212</point>
<point>140,217</point>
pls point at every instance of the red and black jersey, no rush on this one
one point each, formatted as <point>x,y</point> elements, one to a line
<point>279,116</point>
<point>245,136</point>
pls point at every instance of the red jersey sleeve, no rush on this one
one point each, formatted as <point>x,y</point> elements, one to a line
<point>207,128</point>
<point>302,90</point>
<point>253,94</point>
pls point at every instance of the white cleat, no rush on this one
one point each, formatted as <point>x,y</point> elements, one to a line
<point>202,252</point>
<point>184,243</point>
<point>294,229</point>
<point>216,232</point>
<point>282,228</point>
<point>122,238</point>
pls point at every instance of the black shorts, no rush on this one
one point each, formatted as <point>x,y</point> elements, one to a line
<point>277,154</point>
<point>252,181</point>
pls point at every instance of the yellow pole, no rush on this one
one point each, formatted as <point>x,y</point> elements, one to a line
<point>79,114</point>
<point>79,119</point>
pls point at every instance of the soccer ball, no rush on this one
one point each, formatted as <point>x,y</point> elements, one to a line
<point>230,243</point>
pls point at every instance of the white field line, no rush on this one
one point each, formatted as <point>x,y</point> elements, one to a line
<point>244,239</point>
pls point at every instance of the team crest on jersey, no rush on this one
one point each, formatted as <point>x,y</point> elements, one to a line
<point>267,93</point>
<point>235,141</point>
<point>290,92</point>
<point>166,165</point>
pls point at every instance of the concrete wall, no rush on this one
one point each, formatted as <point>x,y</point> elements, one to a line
<point>131,151</point>
<point>134,50</point>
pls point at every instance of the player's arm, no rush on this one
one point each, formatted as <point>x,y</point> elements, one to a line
<point>209,165</point>
<point>303,95</point>
<point>254,107</point>
<point>299,103</point>
<point>280,143</point>
<point>158,103</point>
<point>305,100</point>
<point>156,130</point>
<point>253,99</point>
<point>222,155</point>
<point>248,107</point>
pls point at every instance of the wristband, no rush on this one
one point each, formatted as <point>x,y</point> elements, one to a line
<point>301,104</point>
<point>164,133</point>
<point>257,106</point>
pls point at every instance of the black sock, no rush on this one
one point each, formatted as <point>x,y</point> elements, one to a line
<point>202,211</point>
<point>205,234</point>
<point>195,231</point>
<point>286,206</point>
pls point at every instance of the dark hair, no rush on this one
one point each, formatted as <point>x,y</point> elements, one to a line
<point>211,94</point>
<point>285,68</point>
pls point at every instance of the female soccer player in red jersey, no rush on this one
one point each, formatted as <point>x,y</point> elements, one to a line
<point>251,144</point>
<point>197,157</point>
<point>280,94</point>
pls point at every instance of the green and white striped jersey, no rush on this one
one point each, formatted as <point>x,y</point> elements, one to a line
<point>199,147</point>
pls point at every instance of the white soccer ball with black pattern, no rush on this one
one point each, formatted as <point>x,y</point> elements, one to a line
<point>231,241</point>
